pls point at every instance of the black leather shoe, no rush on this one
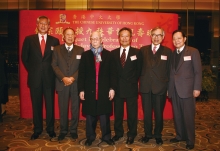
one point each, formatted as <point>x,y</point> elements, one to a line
<point>159,141</point>
<point>51,134</point>
<point>116,138</point>
<point>174,140</point>
<point>145,139</point>
<point>61,137</point>
<point>35,136</point>
<point>109,142</point>
<point>130,140</point>
<point>189,147</point>
<point>74,135</point>
<point>88,142</point>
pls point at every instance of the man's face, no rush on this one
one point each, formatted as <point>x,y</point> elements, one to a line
<point>69,37</point>
<point>157,36</point>
<point>178,40</point>
<point>43,26</point>
<point>124,38</point>
<point>95,39</point>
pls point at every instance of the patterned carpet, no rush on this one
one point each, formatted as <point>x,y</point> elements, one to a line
<point>15,133</point>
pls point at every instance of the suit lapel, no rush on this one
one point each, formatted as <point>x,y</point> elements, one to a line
<point>37,43</point>
<point>63,51</point>
<point>118,57</point>
<point>181,58</point>
<point>48,45</point>
<point>74,53</point>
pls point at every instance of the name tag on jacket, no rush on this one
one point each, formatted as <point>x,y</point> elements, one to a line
<point>78,56</point>
<point>133,58</point>
<point>187,58</point>
<point>52,47</point>
<point>163,57</point>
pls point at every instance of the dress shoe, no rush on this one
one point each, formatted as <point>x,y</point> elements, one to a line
<point>116,138</point>
<point>174,140</point>
<point>51,134</point>
<point>89,142</point>
<point>189,147</point>
<point>35,136</point>
<point>159,141</point>
<point>61,136</point>
<point>130,140</point>
<point>109,142</point>
<point>74,135</point>
<point>145,139</point>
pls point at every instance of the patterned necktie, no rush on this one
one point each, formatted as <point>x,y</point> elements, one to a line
<point>123,58</point>
<point>42,45</point>
<point>154,50</point>
<point>68,48</point>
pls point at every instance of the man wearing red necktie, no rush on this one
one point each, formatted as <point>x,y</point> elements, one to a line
<point>36,56</point>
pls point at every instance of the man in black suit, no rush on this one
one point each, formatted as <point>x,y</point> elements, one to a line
<point>65,63</point>
<point>126,65</point>
<point>36,56</point>
<point>3,82</point>
<point>184,85</point>
<point>155,61</point>
<point>96,84</point>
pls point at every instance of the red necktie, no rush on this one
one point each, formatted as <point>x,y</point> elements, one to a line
<point>154,50</point>
<point>42,45</point>
<point>123,58</point>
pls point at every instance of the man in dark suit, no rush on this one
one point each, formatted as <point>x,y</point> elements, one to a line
<point>126,65</point>
<point>36,56</point>
<point>65,62</point>
<point>184,85</point>
<point>96,84</point>
<point>3,82</point>
<point>155,62</point>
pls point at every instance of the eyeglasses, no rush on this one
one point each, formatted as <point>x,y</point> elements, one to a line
<point>94,39</point>
<point>158,36</point>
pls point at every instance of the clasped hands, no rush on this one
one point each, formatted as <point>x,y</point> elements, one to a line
<point>111,95</point>
<point>68,81</point>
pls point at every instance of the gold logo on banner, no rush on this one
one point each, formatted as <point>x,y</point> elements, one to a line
<point>62,18</point>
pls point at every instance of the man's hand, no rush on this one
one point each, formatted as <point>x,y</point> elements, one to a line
<point>67,80</point>
<point>81,95</point>
<point>111,94</point>
<point>196,93</point>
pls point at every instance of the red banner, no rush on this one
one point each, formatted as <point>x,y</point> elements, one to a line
<point>85,22</point>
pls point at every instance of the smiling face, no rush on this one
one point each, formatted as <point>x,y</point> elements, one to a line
<point>69,36</point>
<point>178,40</point>
<point>125,38</point>
<point>43,26</point>
<point>157,36</point>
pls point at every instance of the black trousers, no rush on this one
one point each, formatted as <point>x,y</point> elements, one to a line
<point>131,104</point>
<point>69,93</point>
<point>152,102</point>
<point>91,122</point>
<point>184,118</point>
<point>37,95</point>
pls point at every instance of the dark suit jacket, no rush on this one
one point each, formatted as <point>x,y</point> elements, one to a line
<point>188,75</point>
<point>127,77</point>
<point>62,67</point>
<point>155,70</point>
<point>34,63</point>
<point>87,83</point>
<point>3,79</point>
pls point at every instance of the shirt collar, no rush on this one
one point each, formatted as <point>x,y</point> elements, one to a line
<point>71,47</point>
<point>181,48</point>
<point>152,46</point>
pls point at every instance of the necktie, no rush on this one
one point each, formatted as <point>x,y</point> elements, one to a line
<point>123,58</point>
<point>68,48</point>
<point>154,50</point>
<point>178,51</point>
<point>42,45</point>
